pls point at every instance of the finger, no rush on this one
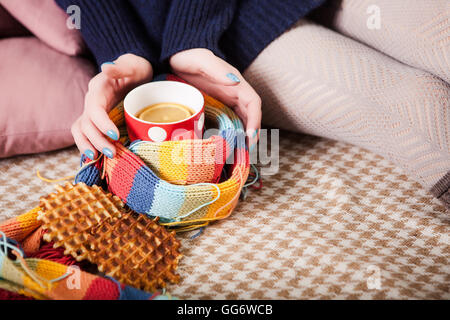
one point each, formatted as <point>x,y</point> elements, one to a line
<point>98,140</point>
<point>225,94</point>
<point>219,72</point>
<point>251,102</point>
<point>253,124</point>
<point>129,66</point>
<point>96,111</point>
<point>204,63</point>
<point>254,115</point>
<point>82,142</point>
<point>243,99</point>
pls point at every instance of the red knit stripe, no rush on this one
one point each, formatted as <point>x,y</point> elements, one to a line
<point>123,174</point>
<point>7,295</point>
<point>102,289</point>
<point>221,155</point>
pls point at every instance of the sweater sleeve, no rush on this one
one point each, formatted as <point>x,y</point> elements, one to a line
<point>196,24</point>
<point>111,28</point>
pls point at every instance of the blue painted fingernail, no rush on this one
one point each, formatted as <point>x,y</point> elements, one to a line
<point>113,135</point>
<point>108,153</point>
<point>107,62</point>
<point>233,77</point>
<point>89,153</point>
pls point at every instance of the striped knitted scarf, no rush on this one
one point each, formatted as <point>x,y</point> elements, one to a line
<point>183,190</point>
<point>176,180</point>
<point>45,279</point>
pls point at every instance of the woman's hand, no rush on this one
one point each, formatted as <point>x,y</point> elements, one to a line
<point>222,81</point>
<point>106,89</point>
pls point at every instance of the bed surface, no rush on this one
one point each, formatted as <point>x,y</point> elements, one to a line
<point>336,222</point>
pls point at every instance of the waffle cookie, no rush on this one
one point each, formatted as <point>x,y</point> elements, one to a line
<point>71,213</point>
<point>94,225</point>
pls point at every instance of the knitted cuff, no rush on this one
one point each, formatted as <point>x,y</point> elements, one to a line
<point>107,35</point>
<point>441,190</point>
<point>205,21</point>
<point>253,29</point>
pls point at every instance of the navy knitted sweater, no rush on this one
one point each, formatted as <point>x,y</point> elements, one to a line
<point>235,30</point>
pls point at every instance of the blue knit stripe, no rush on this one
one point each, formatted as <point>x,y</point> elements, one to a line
<point>130,293</point>
<point>89,175</point>
<point>167,204</point>
<point>141,195</point>
<point>2,257</point>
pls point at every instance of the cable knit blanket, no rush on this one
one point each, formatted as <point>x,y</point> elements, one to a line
<point>336,222</point>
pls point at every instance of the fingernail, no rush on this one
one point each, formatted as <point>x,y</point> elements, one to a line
<point>113,135</point>
<point>89,153</point>
<point>233,77</point>
<point>108,153</point>
<point>252,134</point>
<point>107,62</point>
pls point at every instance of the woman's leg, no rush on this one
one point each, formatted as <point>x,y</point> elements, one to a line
<point>415,32</point>
<point>316,81</point>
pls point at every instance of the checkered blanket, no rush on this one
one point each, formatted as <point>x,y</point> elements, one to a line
<point>335,222</point>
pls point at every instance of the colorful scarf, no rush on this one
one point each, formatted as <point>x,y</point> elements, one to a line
<point>46,279</point>
<point>150,180</point>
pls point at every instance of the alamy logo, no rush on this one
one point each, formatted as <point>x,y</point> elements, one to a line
<point>374,279</point>
<point>374,19</point>
<point>74,19</point>
<point>73,281</point>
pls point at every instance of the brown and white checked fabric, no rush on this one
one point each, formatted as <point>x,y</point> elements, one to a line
<point>20,188</point>
<point>336,222</point>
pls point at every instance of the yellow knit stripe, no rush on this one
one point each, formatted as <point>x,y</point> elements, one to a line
<point>172,163</point>
<point>29,219</point>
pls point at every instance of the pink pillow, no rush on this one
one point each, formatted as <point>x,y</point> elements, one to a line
<point>47,21</point>
<point>42,95</point>
<point>10,27</point>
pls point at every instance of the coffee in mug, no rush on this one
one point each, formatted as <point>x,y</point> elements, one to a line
<point>165,113</point>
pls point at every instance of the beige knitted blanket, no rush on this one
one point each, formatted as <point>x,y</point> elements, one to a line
<point>335,222</point>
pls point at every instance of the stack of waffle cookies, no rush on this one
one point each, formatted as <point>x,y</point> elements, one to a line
<point>94,225</point>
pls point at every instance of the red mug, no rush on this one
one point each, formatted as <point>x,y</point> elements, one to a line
<point>164,92</point>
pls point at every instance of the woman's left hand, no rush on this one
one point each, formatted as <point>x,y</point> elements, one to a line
<point>209,73</point>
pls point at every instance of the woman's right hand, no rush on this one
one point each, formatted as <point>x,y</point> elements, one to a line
<point>209,73</point>
<point>106,89</point>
